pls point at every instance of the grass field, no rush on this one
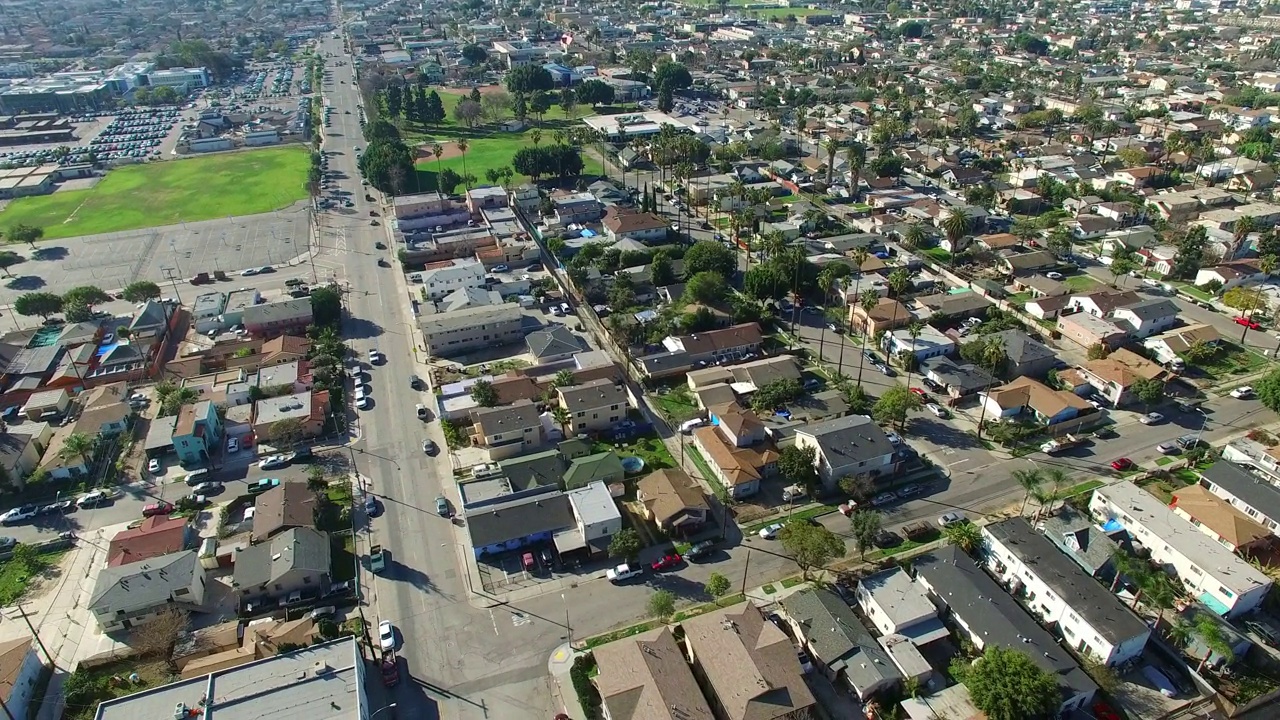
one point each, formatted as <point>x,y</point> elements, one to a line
<point>163,193</point>
<point>482,154</point>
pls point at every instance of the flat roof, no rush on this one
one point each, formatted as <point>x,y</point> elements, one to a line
<point>321,682</point>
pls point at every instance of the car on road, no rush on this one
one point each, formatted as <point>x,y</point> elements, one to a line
<point>1251,324</point>
<point>7,543</point>
<point>271,462</point>
<point>1244,392</point>
<point>233,446</point>
<point>893,437</point>
<point>622,573</point>
<point>937,410</point>
<point>699,550</point>
<point>18,514</point>
<point>1055,276</point>
<point>263,485</point>
<point>770,532</point>
<point>1186,442</point>
<point>1168,448</point>
<point>249,273</point>
<point>386,636</point>
<point>415,382</point>
<point>885,370</point>
<point>364,403</point>
<point>666,562</point>
<point>952,518</point>
<point>884,498</point>
<point>1151,418</point>
<point>1121,464</point>
<point>302,454</point>
<point>442,506</point>
<point>429,447</point>
<point>934,386</point>
<point>921,393</point>
<point>97,498</point>
<point>159,508</point>
<point>870,356</point>
<point>370,506</point>
<point>835,328</point>
<point>909,490</point>
<point>153,466</point>
<point>56,508</point>
<point>375,356</point>
<point>208,488</point>
<point>501,268</point>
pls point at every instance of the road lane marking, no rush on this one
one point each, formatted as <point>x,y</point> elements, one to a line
<point>494,620</point>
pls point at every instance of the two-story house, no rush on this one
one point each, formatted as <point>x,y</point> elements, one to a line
<point>898,606</point>
<point>594,406</point>
<point>929,343</point>
<point>1091,619</point>
<point>1146,318</point>
<point>674,501</point>
<point>887,314</point>
<point>441,278</point>
<point>738,451</point>
<point>597,520</point>
<point>839,644</point>
<point>282,317</point>
<point>284,569</point>
<point>1114,375</point>
<point>197,435</point>
<point>508,431</point>
<point>627,225</point>
<point>1212,573</point>
<point>1248,482</point>
<point>129,595</point>
<point>1221,521</point>
<point>849,446</point>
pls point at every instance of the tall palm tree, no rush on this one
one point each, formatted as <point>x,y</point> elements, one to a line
<point>462,148</point>
<point>832,146</point>
<point>956,225</point>
<point>867,300</point>
<point>914,329</point>
<point>1030,480</point>
<point>438,151</point>
<point>915,237</point>
<point>825,282</point>
<point>993,355</point>
<point>1206,628</point>
<point>563,418</point>
<point>856,157</point>
<point>78,445</point>
<point>1242,227</point>
<point>1180,632</point>
<point>1122,564</point>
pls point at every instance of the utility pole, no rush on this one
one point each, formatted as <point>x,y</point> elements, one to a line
<point>745,565</point>
<point>53,662</point>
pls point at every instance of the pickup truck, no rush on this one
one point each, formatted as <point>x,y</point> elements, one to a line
<point>201,279</point>
<point>1062,443</point>
<point>377,559</point>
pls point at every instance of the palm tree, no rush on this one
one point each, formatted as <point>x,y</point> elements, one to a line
<point>993,355</point>
<point>825,282</point>
<point>832,146</point>
<point>914,329</point>
<point>956,225</point>
<point>1030,480</point>
<point>564,378</point>
<point>1122,563</point>
<point>437,151</point>
<point>856,157</point>
<point>78,445</point>
<point>868,301</point>
<point>563,418</point>
<point>964,535</point>
<point>1206,627</point>
<point>774,244</point>
<point>915,237</point>
<point>1242,227</point>
<point>1057,480</point>
<point>1180,633</point>
<point>462,148</point>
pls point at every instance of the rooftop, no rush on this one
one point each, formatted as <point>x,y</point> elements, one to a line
<point>645,677</point>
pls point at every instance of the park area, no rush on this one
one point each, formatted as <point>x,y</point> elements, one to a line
<point>165,193</point>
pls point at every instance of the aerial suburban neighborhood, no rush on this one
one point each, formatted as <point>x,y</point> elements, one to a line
<point>732,360</point>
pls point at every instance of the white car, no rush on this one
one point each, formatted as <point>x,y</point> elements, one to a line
<point>1151,418</point>
<point>18,514</point>
<point>233,446</point>
<point>362,391</point>
<point>1243,392</point>
<point>249,272</point>
<point>364,403</point>
<point>153,466</point>
<point>1055,276</point>
<point>936,409</point>
<point>951,518</point>
<point>375,356</point>
<point>386,636</point>
<point>271,462</point>
<point>771,532</point>
<point>623,572</point>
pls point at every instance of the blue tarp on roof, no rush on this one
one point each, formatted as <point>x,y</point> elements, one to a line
<point>1112,525</point>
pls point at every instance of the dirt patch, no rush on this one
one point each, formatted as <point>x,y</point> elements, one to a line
<point>449,148</point>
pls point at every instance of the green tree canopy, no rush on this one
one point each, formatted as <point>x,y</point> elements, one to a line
<point>799,465</point>
<point>1007,685</point>
<point>141,291</point>
<point>894,404</point>
<point>710,256</point>
<point>86,295</point>
<point>707,288</point>
<point>43,304</point>
<point>810,545</point>
<point>625,544</point>
<point>326,306</point>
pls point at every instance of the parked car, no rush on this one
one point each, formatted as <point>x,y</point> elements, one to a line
<point>429,447</point>
<point>622,573</point>
<point>272,462</point>
<point>952,518</point>
<point>442,506</point>
<point>158,508</point>
<point>884,498</point>
<point>770,532</point>
<point>18,514</point>
<point>666,562</point>
<point>1244,392</point>
<point>887,539</point>
<point>1168,448</point>
<point>1251,324</point>
<point>153,466</point>
<point>386,635</point>
<point>263,485</point>
<point>1151,418</point>
<point>700,550</point>
<point>370,505</point>
<point>937,410</point>
<point>1123,463</point>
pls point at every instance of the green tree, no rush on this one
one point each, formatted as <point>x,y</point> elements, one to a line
<point>915,237</point>
<point>775,394</point>
<point>1097,351</point>
<point>707,287</point>
<point>661,272</point>
<point>1244,298</point>
<point>865,525</point>
<point>1030,479</point>
<point>326,306</point>
<point>1212,636</point>
<point>662,604</point>
<point>810,545</point>
<point>140,291</point>
<point>564,378</point>
<point>625,544</point>
<point>1123,262</point>
<point>8,259</point>
<point>1147,390</point>
<point>956,225</point>
<point>799,465</point>
<point>286,433</point>
<point>23,233</point>
<point>964,535</point>
<point>78,445</point>
<point>1006,684</point>
<point>1268,389</point>
<point>484,394</point>
<point>43,304</point>
<point>710,256</point>
<point>894,404</point>
<point>717,585</point>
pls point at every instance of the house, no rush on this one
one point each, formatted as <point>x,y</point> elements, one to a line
<point>289,418</point>
<point>462,330</point>
<point>838,643</point>
<point>197,435</point>
<point>1085,612</point>
<point>746,666</point>
<point>988,616</point>
<point>594,406</point>
<point>292,563</point>
<point>1221,521</point>
<point>284,507</point>
<point>1087,545</point>
<point>645,677</point>
<point>104,410</point>
<point>282,317</point>
<point>46,405</point>
<point>1232,274</point>
<point>605,467</point>
<point>954,306</point>
<point>848,446</point>
<point>553,344</point>
<point>739,469</point>
<point>726,345</point>
<point>1087,330</point>
<point>931,342</point>
<point>1027,263</point>
<point>578,207</point>
<point>292,376</point>
<point>125,596</point>
<point>1024,356</point>
<point>508,431</point>
<point>519,522</point>
<point>155,536</point>
<point>439,279</point>
<point>20,453</point>
<point>1211,573</point>
<point>1102,302</point>
<point>674,501</point>
<point>1247,484</point>
<point>1046,308</point>
<point>20,671</point>
<point>597,520</point>
<point>1114,375</point>
<point>1138,177</point>
<point>897,605</point>
<point>960,380</point>
<point>1168,347</point>
<point>887,314</point>
<point>1146,318</point>
<point>620,224</point>
<point>1028,398</point>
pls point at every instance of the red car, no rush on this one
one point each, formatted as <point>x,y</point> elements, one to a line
<point>1103,711</point>
<point>1121,464</point>
<point>160,508</point>
<point>666,563</point>
<point>1248,323</point>
<point>923,395</point>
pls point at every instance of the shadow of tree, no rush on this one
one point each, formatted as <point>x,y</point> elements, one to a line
<point>25,283</point>
<point>45,253</point>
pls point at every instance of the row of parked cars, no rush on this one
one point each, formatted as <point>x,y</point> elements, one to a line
<point>23,513</point>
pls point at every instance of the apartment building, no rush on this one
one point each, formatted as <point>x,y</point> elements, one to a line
<point>461,331</point>
<point>1246,477</point>
<point>1091,619</point>
<point>508,431</point>
<point>1212,573</point>
<point>440,279</point>
<point>594,406</point>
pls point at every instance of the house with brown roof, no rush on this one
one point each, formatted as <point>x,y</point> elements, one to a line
<point>886,315</point>
<point>1168,346</point>
<point>1232,274</point>
<point>1138,177</point>
<point>739,469</point>
<point>1115,374</point>
<point>674,501</point>
<point>725,345</point>
<point>646,677</point>
<point>622,224</point>
<point>1029,397</point>
<point>20,670</point>
<point>286,506</point>
<point>998,241</point>
<point>747,666</point>
<point>1220,520</point>
<point>157,535</point>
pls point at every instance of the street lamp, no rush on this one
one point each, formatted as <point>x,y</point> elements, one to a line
<point>1204,420</point>
<point>566,618</point>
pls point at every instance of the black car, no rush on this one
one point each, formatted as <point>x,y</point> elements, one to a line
<point>415,382</point>
<point>887,539</point>
<point>934,386</point>
<point>700,550</point>
<point>870,356</point>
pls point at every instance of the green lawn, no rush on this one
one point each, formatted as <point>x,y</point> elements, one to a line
<point>482,154</point>
<point>16,577</point>
<point>342,564</point>
<point>777,13</point>
<point>1232,359</point>
<point>1081,283</point>
<point>650,449</point>
<point>677,405</point>
<point>164,193</point>
<point>937,254</point>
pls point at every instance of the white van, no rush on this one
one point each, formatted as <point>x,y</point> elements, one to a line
<point>197,476</point>
<point>689,426</point>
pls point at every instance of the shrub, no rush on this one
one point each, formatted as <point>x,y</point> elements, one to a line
<point>587,693</point>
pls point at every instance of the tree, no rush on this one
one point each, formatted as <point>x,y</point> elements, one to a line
<point>326,306</point>
<point>78,445</point>
<point>43,304</point>
<point>1132,156</point>
<point>595,92</point>
<point>710,256</point>
<point>23,233</point>
<point>707,288</point>
<point>625,544</point>
<point>468,112</point>
<point>381,130</point>
<point>448,180</point>
<point>484,394</point>
<point>525,80</point>
<point>1268,389</point>
<point>1006,684</point>
<point>564,378</point>
<point>671,75</point>
<point>8,259</point>
<point>434,108</point>
<point>956,225</point>
<point>915,237</point>
<point>1209,630</point>
<point>866,526</point>
<point>799,465</point>
<point>160,634</point>
<point>810,545</point>
<point>1147,391</point>
<point>1245,299</point>
<point>717,585</point>
<point>140,291</point>
<point>86,295</point>
<point>475,54</point>
<point>662,604</point>
<point>171,397</point>
<point>894,404</point>
<point>964,535</point>
<point>775,394</point>
<point>1030,480</point>
<point>385,164</point>
<point>661,272</point>
<point>1098,351</point>
<point>1123,262</point>
<point>287,432</point>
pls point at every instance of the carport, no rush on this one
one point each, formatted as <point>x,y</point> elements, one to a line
<point>159,441</point>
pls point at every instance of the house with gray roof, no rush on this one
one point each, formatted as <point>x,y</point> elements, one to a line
<point>1146,318</point>
<point>507,431</point>
<point>594,406</point>
<point>838,642</point>
<point>1075,535</point>
<point>504,526</point>
<point>125,596</point>
<point>897,605</point>
<point>1025,357</point>
<point>294,562</point>
<point>849,446</point>
<point>554,343</point>
<point>961,379</point>
<point>282,317</point>
<point>1249,490</point>
<point>991,618</point>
